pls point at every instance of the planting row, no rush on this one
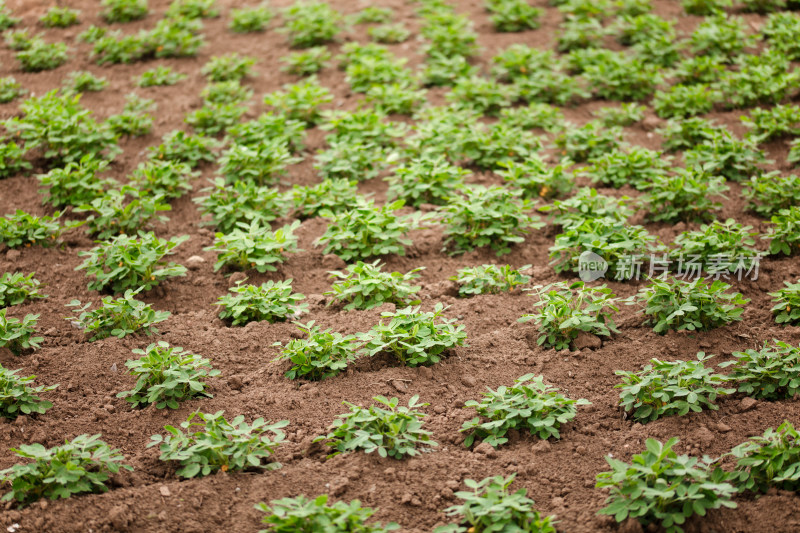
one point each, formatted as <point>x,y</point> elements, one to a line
<point>563,310</point>
<point>424,168</point>
<point>363,144</point>
<point>168,375</point>
<point>658,486</point>
<point>471,216</point>
<point>635,74</point>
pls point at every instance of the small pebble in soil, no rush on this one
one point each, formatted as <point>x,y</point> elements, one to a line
<point>469,381</point>
<point>195,262</point>
<point>747,404</point>
<point>235,383</point>
<point>399,386</point>
<point>486,449</point>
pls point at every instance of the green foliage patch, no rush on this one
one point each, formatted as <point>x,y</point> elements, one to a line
<point>529,404</point>
<point>395,431</point>
<point>208,443</point>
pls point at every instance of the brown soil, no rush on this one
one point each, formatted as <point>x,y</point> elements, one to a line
<point>559,475</point>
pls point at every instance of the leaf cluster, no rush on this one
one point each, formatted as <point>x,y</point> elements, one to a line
<point>771,373</point>
<point>719,35</point>
<point>617,76</point>
<point>781,31</point>
<point>10,89</point>
<point>242,202</point>
<point>17,288</point>
<point>23,229</point>
<point>773,123</point>
<point>306,62</point>
<point>685,195</point>
<point>426,179</point>
<point>77,183</point>
<point>228,67</point>
<point>784,235</point>
<point>563,311</point>
<point>787,304</point>
<point>186,148</point>
<point>665,388</point>
<point>491,506</point>
<point>332,195</point>
<point>117,317</point>
<point>373,15</point>
<point>269,127</point>
<point>127,262</point>
<point>720,247</point>
<point>684,101</point>
<point>585,204</point>
<point>399,98</point>
<point>159,76</point>
<point>663,488</point>
<point>769,193</point>
<point>263,163</point>
<point>487,216</point>
<point>365,286</point>
<point>529,404</point>
<point>537,179</point>
<point>489,279</point>
<point>727,156</point>
<point>167,375</point>
<point>171,37</point>
<point>450,35</point>
<point>769,460</point>
<point>61,129</point>
<point>83,81</point>
<point>366,230</point>
<point>414,337</point>
<point>250,19</point>
<point>311,24</point>
<point>347,159</point>
<point>674,304</point>
<point>134,120</point>
<point>589,141</point>
<point>305,515</point>
<point>12,159</point>
<point>532,116</point>
<point>212,119</point>
<point>513,15</point>
<point>272,301</point>
<point>83,464</point>
<point>300,101</point>
<point>637,167</point>
<point>124,10</point>
<point>168,179</point>
<point>389,33</point>
<point>321,355</point>
<point>207,443</point>
<point>619,244</point>
<point>759,79</point>
<point>392,432</point>
<point>17,398</point>
<point>60,17</point>
<point>253,246</point>
<point>192,9</point>
<point>18,335</point>
<point>123,211</point>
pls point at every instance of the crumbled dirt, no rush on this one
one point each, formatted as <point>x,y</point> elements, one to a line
<point>559,475</point>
